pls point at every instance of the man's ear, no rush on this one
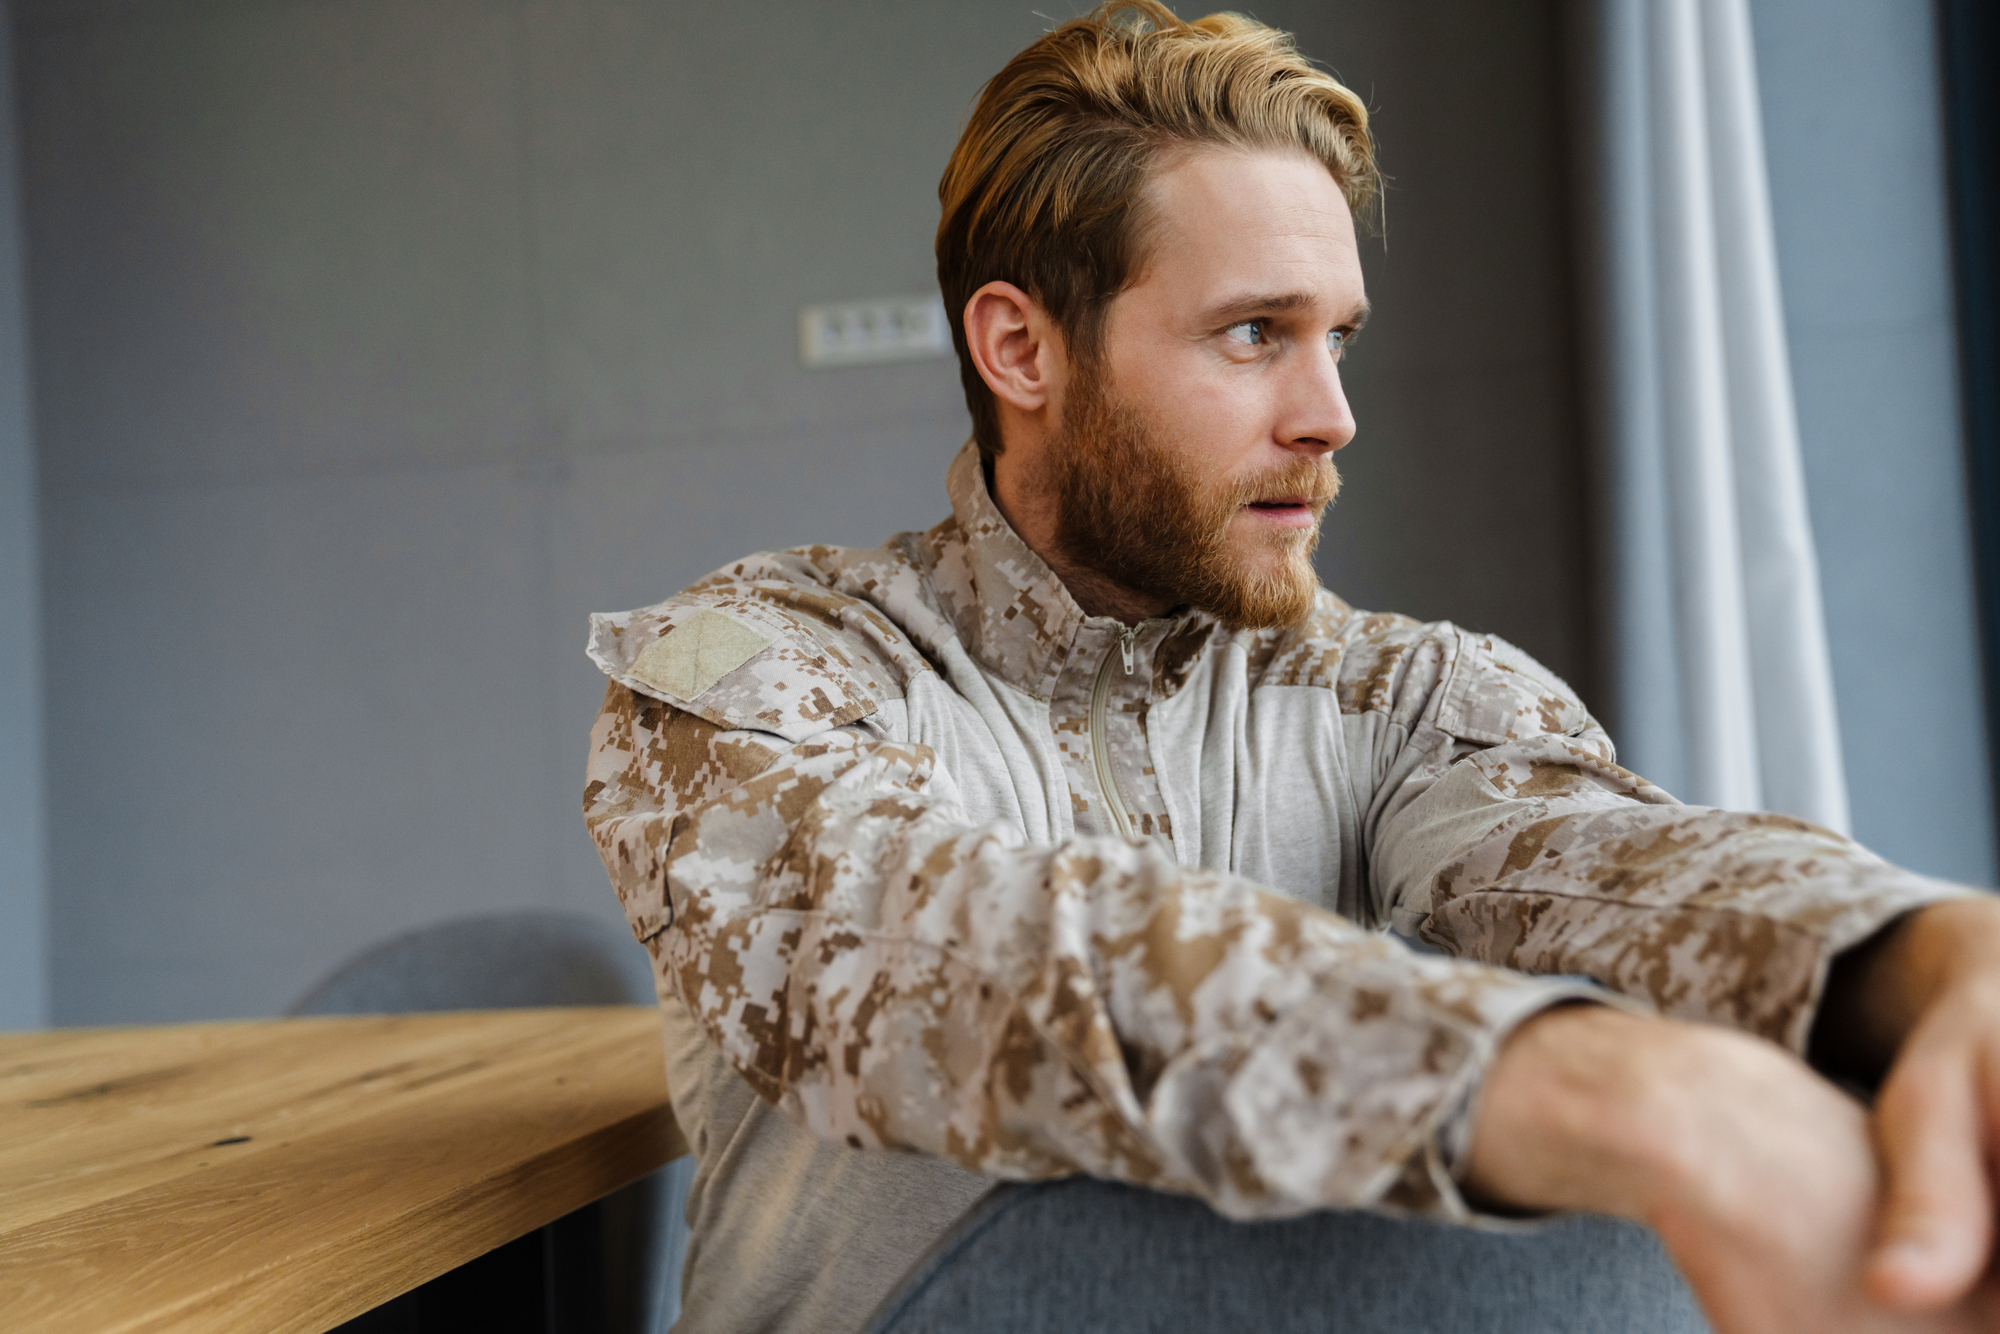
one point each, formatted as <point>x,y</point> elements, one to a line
<point>1014,343</point>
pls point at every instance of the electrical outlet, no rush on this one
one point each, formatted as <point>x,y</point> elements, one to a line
<point>860,333</point>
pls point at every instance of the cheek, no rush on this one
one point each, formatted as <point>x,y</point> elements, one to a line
<point>1223,423</point>
<point>1213,415</point>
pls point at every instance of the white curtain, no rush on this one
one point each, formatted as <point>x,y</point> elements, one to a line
<point>1721,686</point>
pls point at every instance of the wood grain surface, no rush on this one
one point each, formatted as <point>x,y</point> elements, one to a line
<point>290,1174</point>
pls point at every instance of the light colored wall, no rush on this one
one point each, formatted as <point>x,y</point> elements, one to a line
<point>1852,118</point>
<point>378,341</point>
<point>23,850</point>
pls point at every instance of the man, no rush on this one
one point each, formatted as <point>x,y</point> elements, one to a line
<point>1058,838</point>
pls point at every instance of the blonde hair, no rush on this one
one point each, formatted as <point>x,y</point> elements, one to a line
<point>1045,186</point>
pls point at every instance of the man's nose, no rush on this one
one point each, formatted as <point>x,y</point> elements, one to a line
<point>1318,419</point>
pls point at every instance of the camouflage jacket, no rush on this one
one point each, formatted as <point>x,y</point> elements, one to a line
<point>938,863</point>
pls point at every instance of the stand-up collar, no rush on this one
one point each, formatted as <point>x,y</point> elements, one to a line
<point>1011,610</point>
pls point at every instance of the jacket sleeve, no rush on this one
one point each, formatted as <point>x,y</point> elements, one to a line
<point>891,978</point>
<point>1505,831</point>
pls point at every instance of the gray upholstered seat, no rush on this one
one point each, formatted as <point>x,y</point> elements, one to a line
<point>1089,1255</point>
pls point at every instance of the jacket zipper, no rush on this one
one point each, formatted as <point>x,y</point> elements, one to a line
<point>1100,748</point>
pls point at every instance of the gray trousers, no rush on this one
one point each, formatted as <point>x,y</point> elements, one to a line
<point>1089,1257</point>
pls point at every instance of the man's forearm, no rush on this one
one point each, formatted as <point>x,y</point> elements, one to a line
<point>1574,1115</point>
<point>1758,1175</point>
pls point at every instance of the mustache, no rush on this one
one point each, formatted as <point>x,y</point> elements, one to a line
<point>1314,481</point>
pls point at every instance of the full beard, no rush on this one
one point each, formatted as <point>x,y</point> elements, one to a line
<point>1139,512</point>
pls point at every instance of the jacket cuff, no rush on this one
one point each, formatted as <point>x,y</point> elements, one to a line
<point>1857,921</point>
<point>1438,1172</point>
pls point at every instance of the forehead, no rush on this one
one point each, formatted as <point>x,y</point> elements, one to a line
<point>1225,221</point>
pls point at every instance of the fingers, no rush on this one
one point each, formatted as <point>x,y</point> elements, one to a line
<point>1936,1228</point>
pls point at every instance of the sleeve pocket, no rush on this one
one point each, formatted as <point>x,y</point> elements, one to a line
<point>1497,694</point>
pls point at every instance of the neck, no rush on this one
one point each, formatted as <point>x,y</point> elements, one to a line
<point>1032,511</point>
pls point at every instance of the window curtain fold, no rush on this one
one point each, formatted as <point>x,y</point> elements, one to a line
<point>1721,688</point>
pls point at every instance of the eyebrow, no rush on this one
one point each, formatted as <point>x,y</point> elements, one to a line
<point>1276,303</point>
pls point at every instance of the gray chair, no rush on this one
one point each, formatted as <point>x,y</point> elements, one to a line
<point>1083,1256</point>
<point>612,1266</point>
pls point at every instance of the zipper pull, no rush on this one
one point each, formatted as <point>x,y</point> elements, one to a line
<point>1125,645</point>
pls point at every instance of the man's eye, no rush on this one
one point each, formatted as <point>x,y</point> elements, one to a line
<point>1250,332</point>
<point>1336,341</point>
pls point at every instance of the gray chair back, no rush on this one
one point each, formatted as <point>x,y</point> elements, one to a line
<point>504,961</point>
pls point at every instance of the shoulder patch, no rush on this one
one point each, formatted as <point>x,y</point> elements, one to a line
<point>741,657</point>
<point>688,659</point>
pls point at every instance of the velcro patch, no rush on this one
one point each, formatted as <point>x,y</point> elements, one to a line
<point>694,655</point>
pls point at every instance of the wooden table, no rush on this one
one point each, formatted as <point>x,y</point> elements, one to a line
<point>288,1175</point>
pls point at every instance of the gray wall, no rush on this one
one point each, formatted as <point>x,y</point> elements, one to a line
<point>23,860</point>
<point>378,341</point>
<point>1852,119</point>
<point>1465,489</point>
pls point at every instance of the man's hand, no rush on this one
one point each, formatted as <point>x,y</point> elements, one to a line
<point>1924,1000</point>
<point>1759,1176</point>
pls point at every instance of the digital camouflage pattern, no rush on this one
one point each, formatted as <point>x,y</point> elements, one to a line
<point>855,804</point>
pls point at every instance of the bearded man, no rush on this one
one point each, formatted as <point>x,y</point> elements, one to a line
<point>1083,833</point>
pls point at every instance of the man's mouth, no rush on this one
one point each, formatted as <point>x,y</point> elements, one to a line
<point>1289,511</point>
